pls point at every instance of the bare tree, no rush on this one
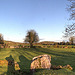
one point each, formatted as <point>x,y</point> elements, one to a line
<point>70,29</point>
<point>72,9</point>
<point>31,37</point>
<point>72,40</point>
<point>1,39</point>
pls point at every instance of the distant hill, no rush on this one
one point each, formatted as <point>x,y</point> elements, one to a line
<point>48,42</point>
<point>11,43</point>
<point>14,43</point>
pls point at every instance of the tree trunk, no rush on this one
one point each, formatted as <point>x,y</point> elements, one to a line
<point>31,45</point>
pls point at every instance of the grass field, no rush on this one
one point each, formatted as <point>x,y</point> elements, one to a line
<point>59,56</point>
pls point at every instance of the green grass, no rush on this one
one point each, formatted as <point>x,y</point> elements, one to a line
<point>59,56</point>
<point>54,72</point>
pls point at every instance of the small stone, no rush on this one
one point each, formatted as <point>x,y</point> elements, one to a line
<point>68,67</point>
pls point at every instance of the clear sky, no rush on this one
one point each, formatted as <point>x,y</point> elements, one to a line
<point>47,17</point>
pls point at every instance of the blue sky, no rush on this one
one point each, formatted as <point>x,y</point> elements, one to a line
<point>47,17</point>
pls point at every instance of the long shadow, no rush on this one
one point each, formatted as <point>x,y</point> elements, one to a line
<point>11,65</point>
<point>64,57</point>
<point>0,49</point>
<point>46,51</point>
<point>24,53</point>
<point>24,65</point>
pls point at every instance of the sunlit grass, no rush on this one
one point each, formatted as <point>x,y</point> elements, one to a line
<point>59,56</point>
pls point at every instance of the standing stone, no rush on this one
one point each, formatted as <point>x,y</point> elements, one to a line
<point>41,62</point>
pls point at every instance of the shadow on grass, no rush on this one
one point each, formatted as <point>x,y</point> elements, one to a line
<point>24,65</point>
<point>11,65</point>
<point>0,49</point>
<point>58,57</point>
<point>53,72</point>
<point>48,51</point>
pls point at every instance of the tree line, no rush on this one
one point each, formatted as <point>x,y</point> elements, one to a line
<point>31,37</point>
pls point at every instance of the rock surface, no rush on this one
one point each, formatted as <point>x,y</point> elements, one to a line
<point>68,67</point>
<point>54,67</point>
<point>41,62</point>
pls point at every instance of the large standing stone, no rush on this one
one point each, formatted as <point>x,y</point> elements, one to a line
<point>41,62</point>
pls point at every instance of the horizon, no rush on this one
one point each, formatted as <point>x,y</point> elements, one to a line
<point>25,42</point>
<point>47,17</point>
